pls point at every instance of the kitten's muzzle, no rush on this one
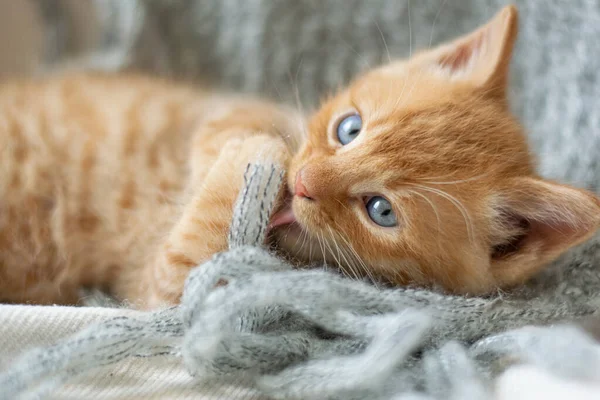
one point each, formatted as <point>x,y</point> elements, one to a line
<point>300,189</point>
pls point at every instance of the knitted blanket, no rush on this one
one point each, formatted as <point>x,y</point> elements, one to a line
<point>313,334</point>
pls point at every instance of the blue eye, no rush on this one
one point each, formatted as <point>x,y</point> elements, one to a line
<point>380,211</point>
<point>349,128</point>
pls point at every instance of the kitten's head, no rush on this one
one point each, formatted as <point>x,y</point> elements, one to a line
<point>419,170</point>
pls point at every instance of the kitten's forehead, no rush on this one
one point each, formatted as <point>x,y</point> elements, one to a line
<point>418,123</point>
<point>400,87</point>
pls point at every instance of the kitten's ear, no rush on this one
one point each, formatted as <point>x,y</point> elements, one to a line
<point>481,57</point>
<point>537,220</point>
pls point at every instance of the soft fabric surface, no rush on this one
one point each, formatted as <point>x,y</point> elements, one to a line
<point>25,327</point>
<point>288,47</point>
<point>313,334</point>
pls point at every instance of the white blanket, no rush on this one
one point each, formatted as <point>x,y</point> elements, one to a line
<point>24,327</point>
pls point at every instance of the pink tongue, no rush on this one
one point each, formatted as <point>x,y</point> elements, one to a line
<point>283,217</point>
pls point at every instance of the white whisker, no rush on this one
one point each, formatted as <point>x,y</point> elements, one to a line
<point>409,32</point>
<point>439,11</point>
<point>459,206</point>
<point>433,207</point>
<point>387,50</point>
<point>320,240</point>
<point>474,178</point>
<point>357,258</point>
<point>354,271</point>
<point>337,260</point>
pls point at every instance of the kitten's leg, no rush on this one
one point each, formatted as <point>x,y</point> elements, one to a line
<point>201,230</point>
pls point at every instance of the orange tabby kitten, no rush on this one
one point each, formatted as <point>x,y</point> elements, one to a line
<point>417,172</point>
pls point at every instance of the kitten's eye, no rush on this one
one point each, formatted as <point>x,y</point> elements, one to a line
<point>349,128</point>
<point>380,211</point>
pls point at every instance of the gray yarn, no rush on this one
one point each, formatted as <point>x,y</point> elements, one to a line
<point>314,334</point>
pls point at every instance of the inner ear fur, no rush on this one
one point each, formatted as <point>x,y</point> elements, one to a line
<point>481,57</point>
<point>550,217</point>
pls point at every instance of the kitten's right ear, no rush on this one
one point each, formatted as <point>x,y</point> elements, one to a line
<point>481,57</point>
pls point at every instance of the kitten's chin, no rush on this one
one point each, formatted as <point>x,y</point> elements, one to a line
<point>290,240</point>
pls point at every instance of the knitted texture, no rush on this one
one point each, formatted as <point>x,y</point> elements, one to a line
<point>314,334</point>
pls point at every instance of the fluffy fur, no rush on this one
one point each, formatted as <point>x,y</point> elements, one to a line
<point>126,182</point>
<point>120,182</point>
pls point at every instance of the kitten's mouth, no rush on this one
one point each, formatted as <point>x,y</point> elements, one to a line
<point>284,216</point>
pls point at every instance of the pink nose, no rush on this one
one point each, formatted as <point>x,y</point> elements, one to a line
<point>299,188</point>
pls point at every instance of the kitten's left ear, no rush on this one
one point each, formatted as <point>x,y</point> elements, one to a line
<point>537,220</point>
<point>481,57</point>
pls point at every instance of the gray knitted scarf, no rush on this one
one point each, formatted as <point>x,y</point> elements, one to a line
<point>298,334</point>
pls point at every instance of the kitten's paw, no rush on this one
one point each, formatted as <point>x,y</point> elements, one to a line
<point>238,153</point>
<point>265,149</point>
<point>232,149</point>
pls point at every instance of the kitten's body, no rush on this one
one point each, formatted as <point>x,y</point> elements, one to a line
<point>97,171</point>
<point>126,183</point>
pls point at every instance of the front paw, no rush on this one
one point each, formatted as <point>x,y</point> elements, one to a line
<point>264,149</point>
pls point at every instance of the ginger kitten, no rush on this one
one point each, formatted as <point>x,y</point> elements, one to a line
<point>416,173</point>
<point>419,170</point>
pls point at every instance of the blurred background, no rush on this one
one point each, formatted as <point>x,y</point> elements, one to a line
<point>298,50</point>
